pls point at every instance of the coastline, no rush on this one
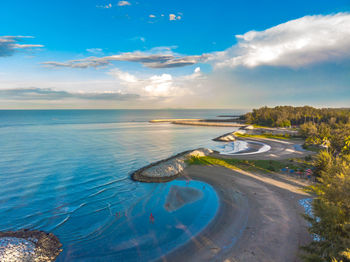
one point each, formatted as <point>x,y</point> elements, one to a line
<point>257,219</point>
<point>259,213</point>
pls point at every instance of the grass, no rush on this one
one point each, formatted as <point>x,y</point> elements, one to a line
<point>271,127</point>
<point>258,126</point>
<point>265,135</point>
<point>264,165</point>
<point>314,148</point>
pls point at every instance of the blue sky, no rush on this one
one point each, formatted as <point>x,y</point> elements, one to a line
<point>194,57</point>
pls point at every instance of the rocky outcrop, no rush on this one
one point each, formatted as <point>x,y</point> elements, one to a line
<point>29,245</point>
<point>226,137</point>
<point>167,169</point>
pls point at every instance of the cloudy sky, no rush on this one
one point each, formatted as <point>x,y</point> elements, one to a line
<point>174,54</point>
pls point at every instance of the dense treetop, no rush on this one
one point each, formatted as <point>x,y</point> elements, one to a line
<point>285,116</point>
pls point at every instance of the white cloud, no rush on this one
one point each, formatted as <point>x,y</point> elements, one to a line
<point>152,16</point>
<point>163,85</point>
<point>105,6</point>
<point>95,51</point>
<point>166,59</point>
<point>124,76</point>
<point>123,3</point>
<point>172,17</point>
<point>33,93</point>
<point>10,44</point>
<point>300,42</point>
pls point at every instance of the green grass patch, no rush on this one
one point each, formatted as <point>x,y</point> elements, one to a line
<point>264,165</point>
<point>265,135</point>
<point>313,148</point>
<point>258,126</point>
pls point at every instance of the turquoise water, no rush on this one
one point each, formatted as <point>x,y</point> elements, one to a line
<point>68,172</point>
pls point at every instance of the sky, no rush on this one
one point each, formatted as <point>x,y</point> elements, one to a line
<point>174,54</point>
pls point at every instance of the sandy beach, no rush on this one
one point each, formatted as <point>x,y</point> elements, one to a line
<point>258,219</point>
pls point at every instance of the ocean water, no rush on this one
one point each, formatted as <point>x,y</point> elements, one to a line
<point>68,172</point>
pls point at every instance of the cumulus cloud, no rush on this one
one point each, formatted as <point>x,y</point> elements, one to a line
<point>123,3</point>
<point>167,60</point>
<point>124,76</point>
<point>173,17</point>
<point>11,44</point>
<point>163,85</point>
<point>301,42</point>
<point>50,94</point>
<point>152,16</point>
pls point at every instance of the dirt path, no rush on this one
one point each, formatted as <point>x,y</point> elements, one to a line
<point>258,219</point>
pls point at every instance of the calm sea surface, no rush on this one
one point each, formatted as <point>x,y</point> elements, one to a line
<point>68,172</point>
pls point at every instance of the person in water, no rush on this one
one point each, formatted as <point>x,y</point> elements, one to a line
<point>151,218</point>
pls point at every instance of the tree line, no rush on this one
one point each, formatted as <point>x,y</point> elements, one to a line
<point>286,116</point>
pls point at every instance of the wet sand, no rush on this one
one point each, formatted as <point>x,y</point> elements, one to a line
<point>258,219</point>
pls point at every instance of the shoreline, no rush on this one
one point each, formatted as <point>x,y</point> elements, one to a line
<point>238,230</point>
<point>242,229</point>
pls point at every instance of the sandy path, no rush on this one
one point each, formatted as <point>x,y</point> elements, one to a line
<point>258,219</point>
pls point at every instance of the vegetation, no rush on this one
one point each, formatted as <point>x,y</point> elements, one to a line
<point>328,131</point>
<point>263,165</point>
<point>264,135</point>
<point>331,210</point>
<point>286,116</point>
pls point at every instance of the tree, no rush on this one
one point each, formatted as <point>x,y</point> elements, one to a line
<point>331,214</point>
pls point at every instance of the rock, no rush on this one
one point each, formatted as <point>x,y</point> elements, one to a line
<point>226,137</point>
<point>16,249</point>
<point>250,127</point>
<point>168,169</point>
<point>27,245</point>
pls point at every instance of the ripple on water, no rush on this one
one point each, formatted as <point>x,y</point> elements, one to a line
<point>74,180</point>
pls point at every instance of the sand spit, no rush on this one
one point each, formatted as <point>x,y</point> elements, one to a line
<point>209,123</point>
<point>202,122</point>
<point>170,120</point>
<point>28,245</point>
<point>167,169</point>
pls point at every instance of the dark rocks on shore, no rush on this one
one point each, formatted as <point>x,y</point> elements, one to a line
<point>226,137</point>
<point>28,245</point>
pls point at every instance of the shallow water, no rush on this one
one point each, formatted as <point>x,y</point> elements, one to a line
<point>68,172</point>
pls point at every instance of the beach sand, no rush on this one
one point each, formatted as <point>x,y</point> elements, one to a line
<point>259,218</point>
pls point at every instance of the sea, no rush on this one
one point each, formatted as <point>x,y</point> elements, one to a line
<point>68,172</point>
